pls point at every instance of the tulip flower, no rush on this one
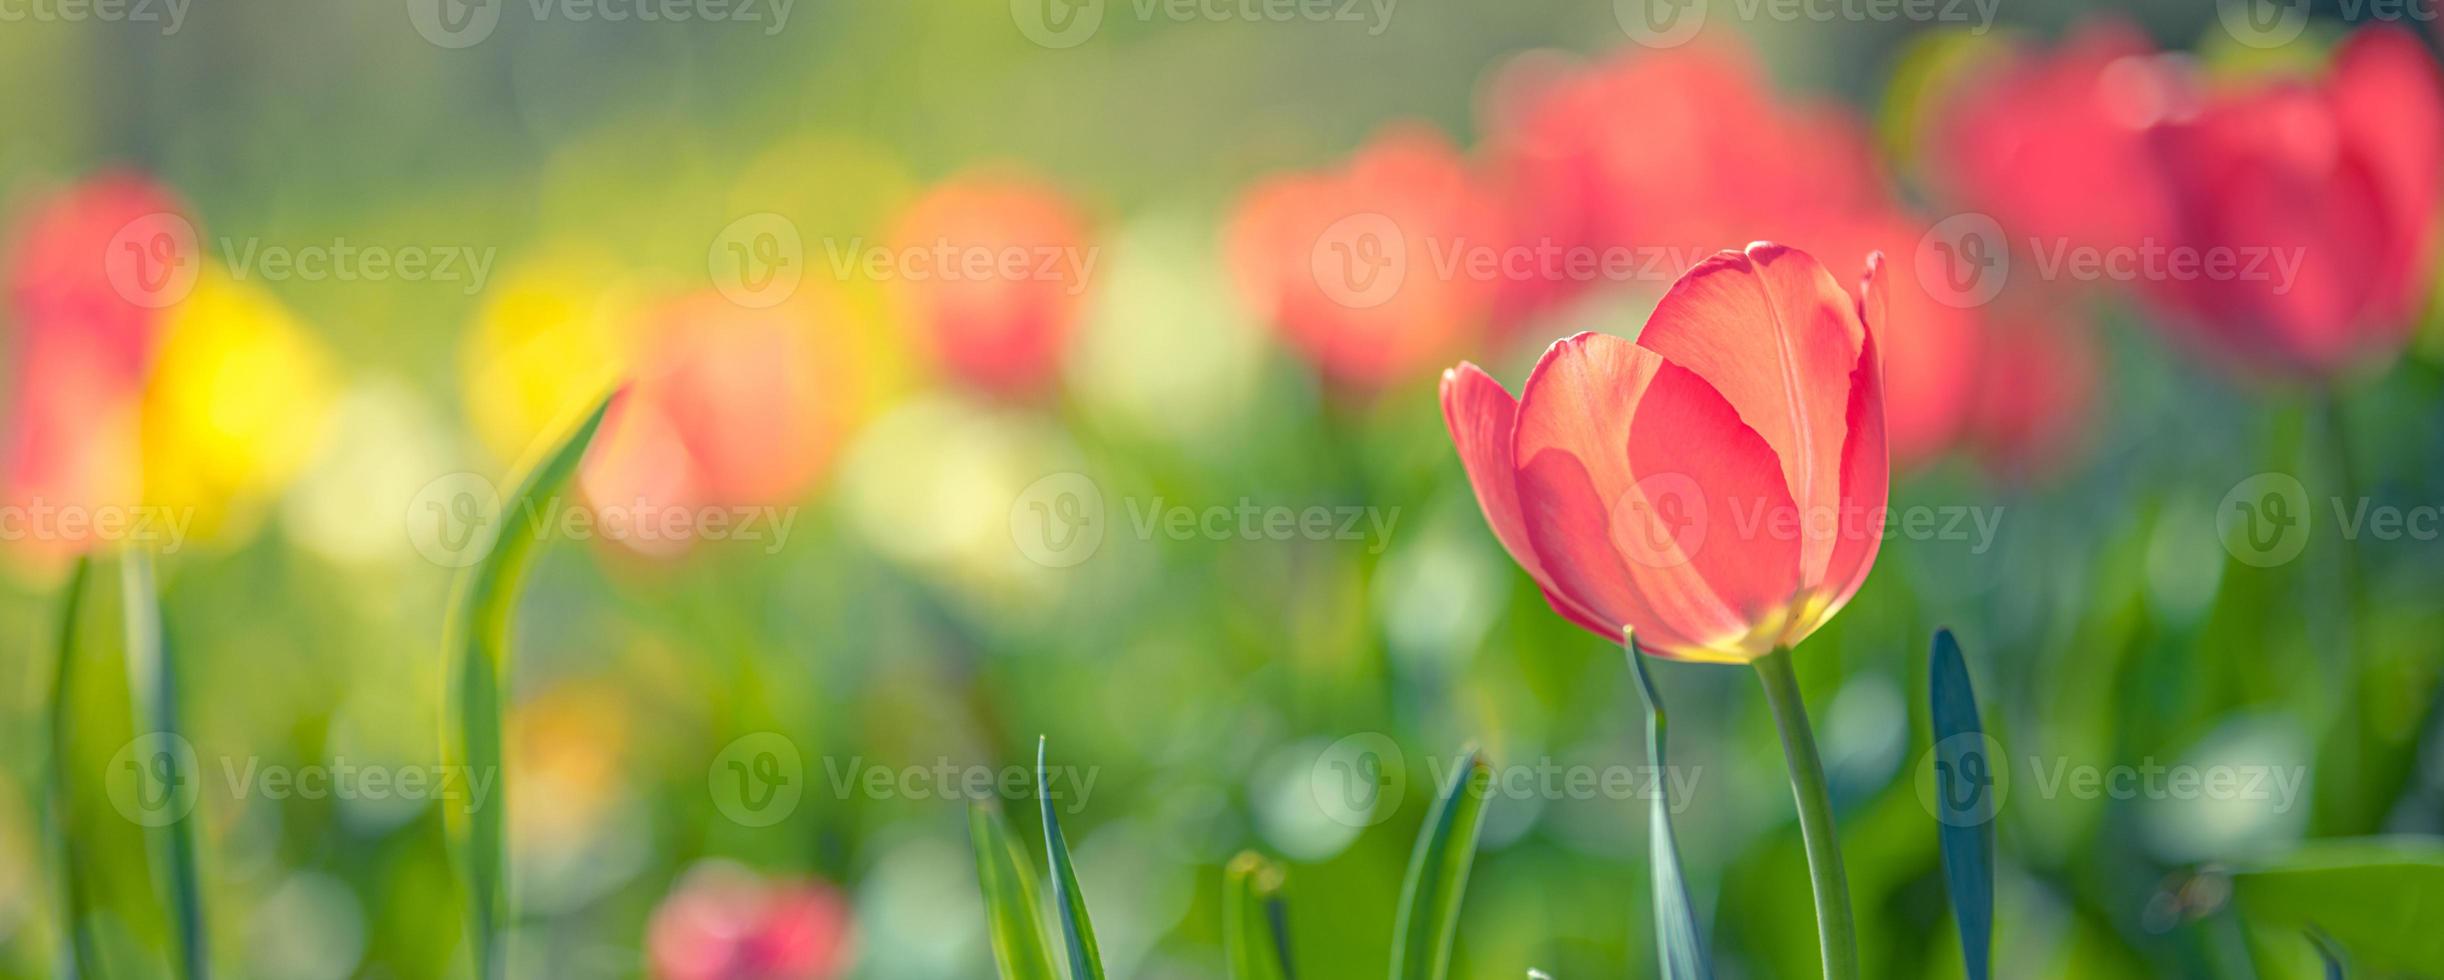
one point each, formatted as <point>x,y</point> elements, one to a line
<point>2327,195</point>
<point>993,270</point>
<point>2055,146</point>
<point>724,922</point>
<point>1716,489</point>
<point>1360,269</point>
<point>2035,387</point>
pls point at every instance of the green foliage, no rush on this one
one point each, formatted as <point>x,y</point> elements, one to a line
<point>1438,875</point>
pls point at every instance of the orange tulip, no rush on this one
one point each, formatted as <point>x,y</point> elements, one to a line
<point>994,270</point>
<point>1719,486</point>
<point>1354,267</point>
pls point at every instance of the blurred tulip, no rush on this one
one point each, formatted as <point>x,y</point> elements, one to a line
<point>1355,267</point>
<point>1719,486</point>
<point>2054,146</point>
<point>727,406</point>
<point>2338,180</point>
<point>724,922</point>
<point>1930,346</point>
<point>554,336</point>
<point>236,406</point>
<point>1684,149</point>
<point>994,271</point>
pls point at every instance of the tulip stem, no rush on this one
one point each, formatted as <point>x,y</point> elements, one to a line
<point>1835,931</point>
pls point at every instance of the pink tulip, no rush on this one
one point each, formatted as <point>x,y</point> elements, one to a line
<point>1356,268</point>
<point>724,922</point>
<point>2035,391</point>
<point>1719,486</point>
<point>2341,177</point>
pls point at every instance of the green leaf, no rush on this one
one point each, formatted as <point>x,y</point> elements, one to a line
<point>478,648</point>
<point>1438,874</point>
<point>2377,899</point>
<point>1077,930</point>
<point>1967,834</point>
<point>1255,927</point>
<point>76,906</point>
<point>153,687</point>
<point>1679,945</point>
<point>1010,906</point>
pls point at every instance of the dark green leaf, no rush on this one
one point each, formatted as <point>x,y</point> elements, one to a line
<point>76,870</point>
<point>1967,832</point>
<point>1077,930</point>
<point>1438,875</point>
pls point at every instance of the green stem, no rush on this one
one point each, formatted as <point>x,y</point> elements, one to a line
<point>1835,930</point>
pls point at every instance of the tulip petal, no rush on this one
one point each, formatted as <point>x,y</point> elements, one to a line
<point>1480,413</point>
<point>1772,331</point>
<point>2388,98</point>
<point>1651,503</point>
<point>1866,467</point>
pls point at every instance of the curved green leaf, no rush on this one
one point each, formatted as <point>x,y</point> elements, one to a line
<point>1438,875</point>
<point>76,905</point>
<point>1255,927</point>
<point>153,686</point>
<point>2376,899</point>
<point>1077,930</point>
<point>1967,842</point>
<point>478,648</point>
<point>1011,912</point>
<point>1680,947</point>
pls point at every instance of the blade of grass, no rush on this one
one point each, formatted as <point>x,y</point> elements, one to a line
<point>1077,930</point>
<point>1438,874</point>
<point>1255,930</point>
<point>1967,835</point>
<point>1011,913</point>
<point>153,685</point>
<point>1680,947</point>
<point>478,648</point>
<point>76,906</point>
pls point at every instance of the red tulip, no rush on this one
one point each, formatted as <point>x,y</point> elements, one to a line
<point>724,922</point>
<point>1678,149</point>
<point>1930,347</point>
<point>2035,387</point>
<point>1719,486</point>
<point>2055,147</point>
<point>995,271</point>
<point>2341,180</point>
<point>1361,269</point>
